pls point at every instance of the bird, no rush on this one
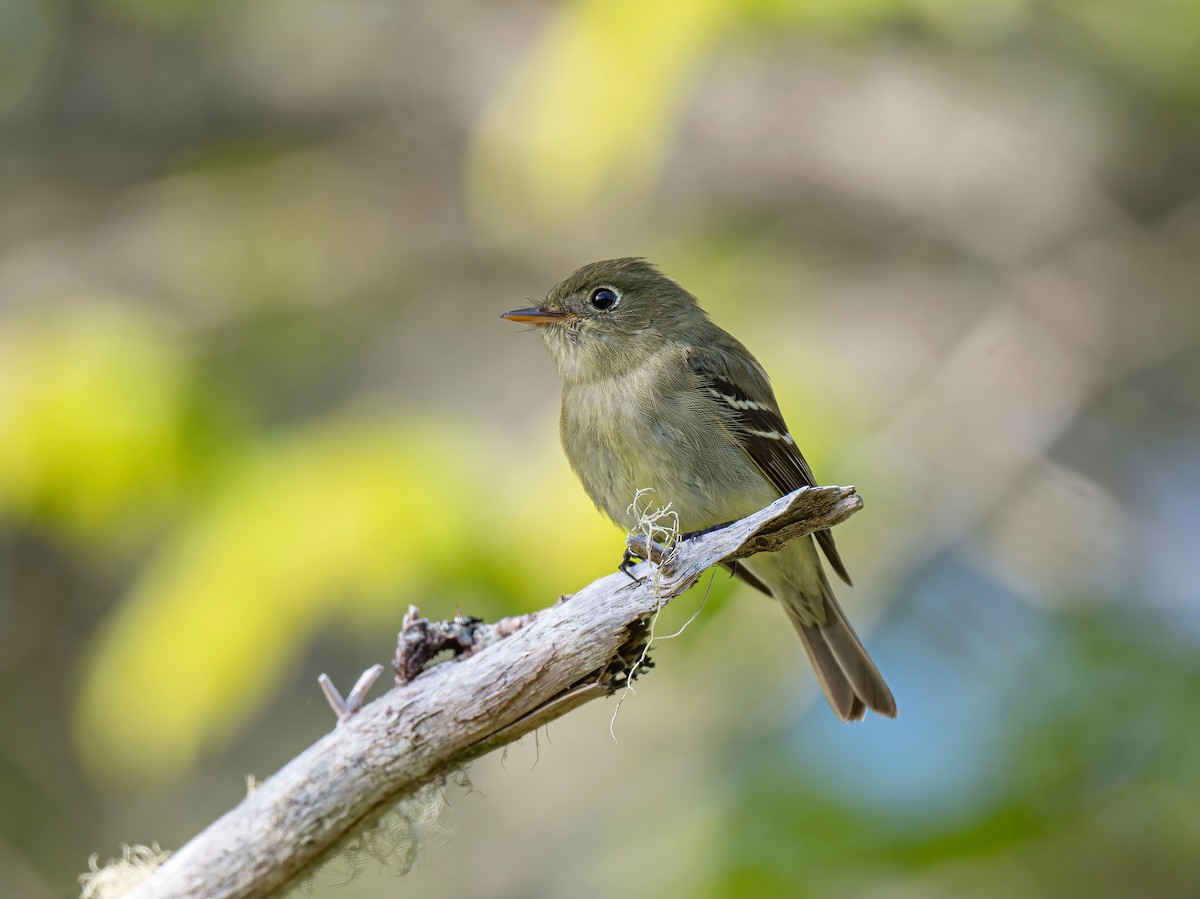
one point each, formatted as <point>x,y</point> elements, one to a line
<point>655,395</point>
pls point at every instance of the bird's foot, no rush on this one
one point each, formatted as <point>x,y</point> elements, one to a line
<point>708,530</point>
<point>628,559</point>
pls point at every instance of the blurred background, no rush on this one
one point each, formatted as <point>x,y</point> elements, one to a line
<point>255,399</point>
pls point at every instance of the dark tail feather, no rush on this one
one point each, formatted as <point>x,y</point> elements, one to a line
<point>848,678</point>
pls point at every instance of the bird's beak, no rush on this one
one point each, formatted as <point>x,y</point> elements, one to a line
<point>533,316</point>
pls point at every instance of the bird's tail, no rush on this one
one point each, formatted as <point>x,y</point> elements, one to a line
<point>848,678</point>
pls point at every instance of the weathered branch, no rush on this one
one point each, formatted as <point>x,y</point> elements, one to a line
<point>510,679</point>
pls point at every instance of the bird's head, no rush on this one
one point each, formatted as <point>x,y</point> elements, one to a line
<point>609,316</point>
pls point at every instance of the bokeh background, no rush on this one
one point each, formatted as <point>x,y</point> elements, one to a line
<point>255,399</point>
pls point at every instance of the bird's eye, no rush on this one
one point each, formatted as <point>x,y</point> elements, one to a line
<point>604,298</point>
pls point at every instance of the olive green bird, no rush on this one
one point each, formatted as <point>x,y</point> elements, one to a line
<point>655,395</point>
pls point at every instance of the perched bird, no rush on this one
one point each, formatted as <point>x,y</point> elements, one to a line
<point>655,395</point>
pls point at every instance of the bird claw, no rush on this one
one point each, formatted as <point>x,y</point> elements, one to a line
<point>664,552</point>
<point>628,559</point>
<point>700,533</point>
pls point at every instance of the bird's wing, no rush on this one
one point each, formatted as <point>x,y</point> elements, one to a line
<point>743,386</point>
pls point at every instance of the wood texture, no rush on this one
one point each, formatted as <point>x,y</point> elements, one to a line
<point>514,678</point>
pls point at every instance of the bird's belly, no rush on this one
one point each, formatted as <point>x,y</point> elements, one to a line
<point>618,447</point>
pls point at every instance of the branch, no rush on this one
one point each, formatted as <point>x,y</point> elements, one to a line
<point>510,679</point>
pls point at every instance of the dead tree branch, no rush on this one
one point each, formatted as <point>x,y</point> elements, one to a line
<point>508,679</point>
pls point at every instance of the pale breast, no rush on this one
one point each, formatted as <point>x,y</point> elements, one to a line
<point>653,428</point>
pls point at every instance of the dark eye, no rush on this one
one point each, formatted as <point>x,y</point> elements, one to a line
<point>604,298</point>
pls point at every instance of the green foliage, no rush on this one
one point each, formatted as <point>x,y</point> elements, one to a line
<point>107,437</point>
<point>30,34</point>
<point>99,432</point>
<point>1156,44</point>
<point>1079,805</point>
<point>571,126</point>
<point>338,525</point>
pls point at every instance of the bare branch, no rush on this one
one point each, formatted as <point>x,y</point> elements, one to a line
<point>508,679</point>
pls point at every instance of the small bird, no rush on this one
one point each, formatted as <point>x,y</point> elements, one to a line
<point>657,396</point>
